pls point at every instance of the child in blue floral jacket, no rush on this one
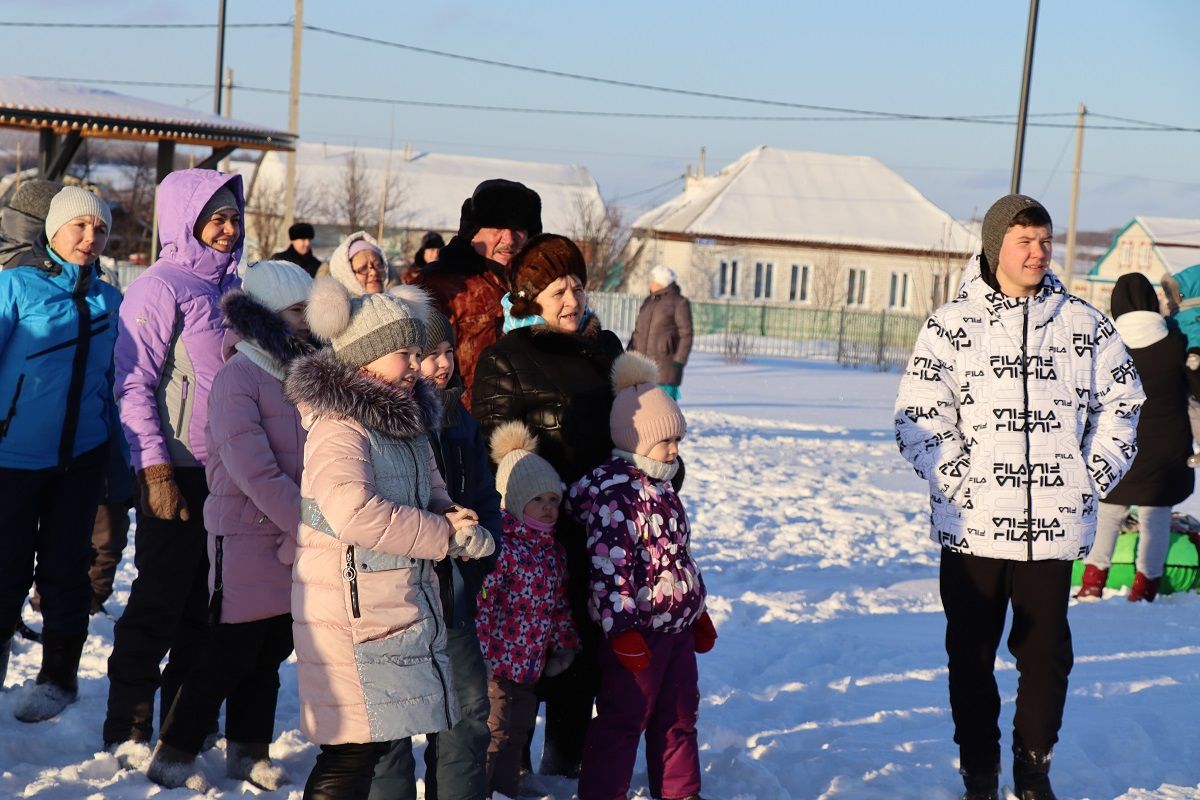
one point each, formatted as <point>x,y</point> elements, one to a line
<point>647,596</point>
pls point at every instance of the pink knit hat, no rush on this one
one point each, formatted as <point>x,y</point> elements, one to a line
<point>642,413</point>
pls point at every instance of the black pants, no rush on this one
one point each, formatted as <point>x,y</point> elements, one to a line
<point>344,771</point>
<point>46,537</point>
<point>976,593</point>
<point>239,667</point>
<point>110,534</point>
<point>167,611</point>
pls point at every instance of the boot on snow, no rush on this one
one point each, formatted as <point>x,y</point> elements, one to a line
<point>1143,588</point>
<point>1092,586</point>
<point>130,754</point>
<point>5,652</point>
<point>980,783</point>
<point>175,769</point>
<point>1031,774</point>
<point>252,763</point>
<point>57,683</point>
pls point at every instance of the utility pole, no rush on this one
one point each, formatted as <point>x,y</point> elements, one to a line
<point>220,56</point>
<point>387,180</point>
<point>1070,260</point>
<point>293,113</point>
<point>1019,155</point>
<point>228,106</point>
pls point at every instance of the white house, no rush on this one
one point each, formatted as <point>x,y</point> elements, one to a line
<point>792,227</point>
<point>1153,246</point>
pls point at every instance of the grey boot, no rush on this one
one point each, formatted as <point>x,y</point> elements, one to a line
<point>252,763</point>
<point>175,769</point>
<point>57,682</point>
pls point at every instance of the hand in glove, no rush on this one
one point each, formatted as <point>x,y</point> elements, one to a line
<point>286,548</point>
<point>704,633</point>
<point>630,649</point>
<point>558,661</point>
<point>160,495</point>
<point>471,542</point>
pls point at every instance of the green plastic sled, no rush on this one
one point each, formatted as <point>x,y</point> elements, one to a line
<point>1182,571</point>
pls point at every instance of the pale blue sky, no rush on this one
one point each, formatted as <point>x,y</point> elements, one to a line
<point>1122,59</point>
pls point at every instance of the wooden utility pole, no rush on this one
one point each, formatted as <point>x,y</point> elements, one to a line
<point>293,114</point>
<point>1070,260</point>
<point>228,106</point>
<point>220,56</point>
<point>1022,113</point>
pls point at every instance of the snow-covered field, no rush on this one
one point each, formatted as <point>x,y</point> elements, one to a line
<point>829,676</point>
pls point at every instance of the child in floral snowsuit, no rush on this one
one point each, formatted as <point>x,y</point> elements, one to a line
<point>524,620</point>
<point>647,596</point>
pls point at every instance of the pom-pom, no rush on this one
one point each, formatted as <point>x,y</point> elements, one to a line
<point>415,299</point>
<point>328,309</point>
<point>631,369</point>
<point>511,436</point>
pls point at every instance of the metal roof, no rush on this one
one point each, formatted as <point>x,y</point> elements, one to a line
<point>38,104</point>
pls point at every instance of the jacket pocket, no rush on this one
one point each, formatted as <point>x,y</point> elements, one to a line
<point>350,575</point>
<point>12,407</point>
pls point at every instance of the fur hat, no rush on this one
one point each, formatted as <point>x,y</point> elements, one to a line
<point>543,260</point>
<point>995,224</point>
<point>498,203</point>
<point>276,284</point>
<point>364,328</point>
<point>72,202</point>
<point>663,275</point>
<point>642,413</point>
<point>301,230</point>
<point>522,474</point>
<point>437,330</point>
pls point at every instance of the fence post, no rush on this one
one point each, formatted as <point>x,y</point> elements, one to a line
<point>882,334</point>
<point>841,334</point>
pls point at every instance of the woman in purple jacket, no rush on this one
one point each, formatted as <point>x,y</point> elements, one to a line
<point>168,352</point>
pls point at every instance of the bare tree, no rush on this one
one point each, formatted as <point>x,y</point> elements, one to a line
<point>827,282</point>
<point>602,235</point>
<point>137,165</point>
<point>266,208</point>
<point>361,202</point>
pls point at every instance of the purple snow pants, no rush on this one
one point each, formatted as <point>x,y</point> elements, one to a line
<point>662,701</point>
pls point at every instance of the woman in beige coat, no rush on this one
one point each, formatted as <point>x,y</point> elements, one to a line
<point>370,640</point>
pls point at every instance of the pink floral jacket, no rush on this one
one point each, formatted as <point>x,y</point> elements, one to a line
<point>642,575</point>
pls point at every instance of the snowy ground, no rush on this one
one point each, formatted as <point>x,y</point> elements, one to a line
<point>829,676</point>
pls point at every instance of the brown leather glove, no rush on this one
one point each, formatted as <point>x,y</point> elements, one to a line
<point>160,495</point>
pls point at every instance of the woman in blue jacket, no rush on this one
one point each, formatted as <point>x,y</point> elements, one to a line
<point>57,332</point>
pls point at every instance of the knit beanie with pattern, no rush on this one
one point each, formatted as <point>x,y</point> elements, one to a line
<point>72,202</point>
<point>521,474</point>
<point>276,284</point>
<point>642,413</point>
<point>995,224</point>
<point>362,329</point>
<point>437,330</point>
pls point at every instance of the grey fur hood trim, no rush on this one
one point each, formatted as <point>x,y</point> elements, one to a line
<point>256,323</point>
<point>320,384</point>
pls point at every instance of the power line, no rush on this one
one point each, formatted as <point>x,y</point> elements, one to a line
<point>143,25</point>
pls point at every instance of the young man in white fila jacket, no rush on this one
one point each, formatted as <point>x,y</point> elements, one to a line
<point>1020,407</point>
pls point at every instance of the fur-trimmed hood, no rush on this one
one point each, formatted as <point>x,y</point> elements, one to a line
<point>257,324</point>
<point>322,386</point>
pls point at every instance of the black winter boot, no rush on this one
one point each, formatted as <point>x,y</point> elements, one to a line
<point>981,784</point>
<point>5,652</point>
<point>57,682</point>
<point>1031,774</point>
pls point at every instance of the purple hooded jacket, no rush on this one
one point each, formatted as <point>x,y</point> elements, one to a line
<point>169,342</point>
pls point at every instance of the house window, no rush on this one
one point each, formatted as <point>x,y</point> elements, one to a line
<point>1126,255</point>
<point>898,290</point>
<point>798,289</point>
<point>939,295</point>
<point>856,287</point>
<point>727,285</point>
<point>1144,256</point>
<point>764,277</point>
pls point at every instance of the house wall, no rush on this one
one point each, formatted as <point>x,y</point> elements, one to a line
<point>1132,251</point>
<point>822,274</point>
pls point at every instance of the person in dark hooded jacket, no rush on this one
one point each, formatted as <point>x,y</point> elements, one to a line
<point>1160,477</point>
<point>24,217</point>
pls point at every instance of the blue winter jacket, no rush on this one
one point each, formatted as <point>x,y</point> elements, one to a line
<point>57,333</point>
<point>462,458</point>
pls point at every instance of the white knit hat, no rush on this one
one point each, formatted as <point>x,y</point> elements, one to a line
<point>276,284</point>
<point>362,329</point>
<point>521,474</point>
<point>663,275</point>
<point>74,202</point>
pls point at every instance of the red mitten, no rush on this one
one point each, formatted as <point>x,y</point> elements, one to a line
<point>630,649</point>
<point>704,633</point>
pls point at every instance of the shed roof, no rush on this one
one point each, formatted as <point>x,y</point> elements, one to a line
<point>33,104</point>
<point>795,196</point>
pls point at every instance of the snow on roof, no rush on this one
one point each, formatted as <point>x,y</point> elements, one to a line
<point>1178,258</point>
<point>1172,230</point>
<point>432,185</point>
<point>21,97</point>
<point>794,196</point>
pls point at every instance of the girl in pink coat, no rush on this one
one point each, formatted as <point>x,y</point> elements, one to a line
<point>374,517</point>
<point>524,620</point>
<point>255,447</point>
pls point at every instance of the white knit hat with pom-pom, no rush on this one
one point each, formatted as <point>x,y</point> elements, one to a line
<point>362,329</point>
<point>522,474</point>
<point>642,413</point>
<point>276,284</point>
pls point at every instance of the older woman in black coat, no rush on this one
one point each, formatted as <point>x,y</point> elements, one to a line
<point>1160,476</point>
<point>550,370</point>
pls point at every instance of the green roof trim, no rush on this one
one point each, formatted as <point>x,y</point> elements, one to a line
<point>1116,237</point>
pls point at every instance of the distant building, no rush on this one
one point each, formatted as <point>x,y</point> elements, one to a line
<point>809,229</point>
<point>425,192</point>
<point>1153,246</point>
